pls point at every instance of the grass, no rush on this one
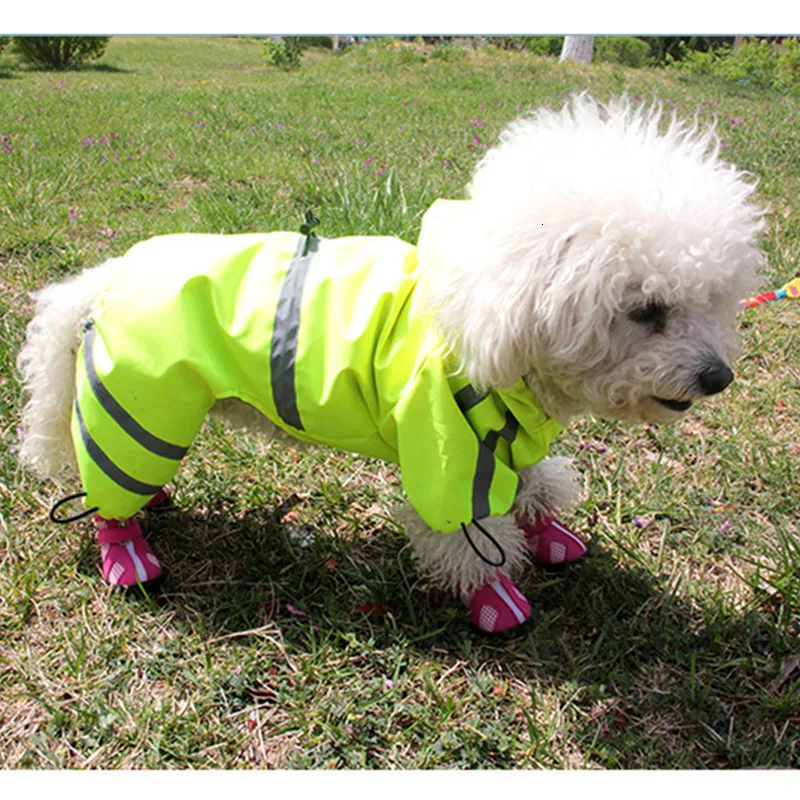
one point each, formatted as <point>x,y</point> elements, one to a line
<point>296,631</point>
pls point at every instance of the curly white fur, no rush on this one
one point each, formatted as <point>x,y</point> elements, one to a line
<point>579,219</point>
<point>47,366</point>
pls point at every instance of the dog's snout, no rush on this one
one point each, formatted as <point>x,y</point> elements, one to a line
<point>714,378</point>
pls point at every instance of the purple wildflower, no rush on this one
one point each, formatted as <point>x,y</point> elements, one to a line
<point>295,612</point>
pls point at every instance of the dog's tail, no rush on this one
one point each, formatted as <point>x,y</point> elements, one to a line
<point>47,365</point>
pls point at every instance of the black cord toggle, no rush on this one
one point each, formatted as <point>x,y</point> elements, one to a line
<point>491,538</point>
<point>307,229</point>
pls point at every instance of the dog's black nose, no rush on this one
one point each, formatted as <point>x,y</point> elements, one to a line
<point>715,378</point>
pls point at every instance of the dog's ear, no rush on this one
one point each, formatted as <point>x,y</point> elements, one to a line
<point>513,302</point>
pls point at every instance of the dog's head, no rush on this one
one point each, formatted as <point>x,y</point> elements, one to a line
<point>601,258</point>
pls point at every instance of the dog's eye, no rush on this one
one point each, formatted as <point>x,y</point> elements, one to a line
<point>654,314</point>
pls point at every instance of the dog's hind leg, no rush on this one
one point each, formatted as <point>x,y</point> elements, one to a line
<point>47,363</point>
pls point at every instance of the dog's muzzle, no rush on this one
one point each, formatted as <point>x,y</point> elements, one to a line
<point>713,379</point>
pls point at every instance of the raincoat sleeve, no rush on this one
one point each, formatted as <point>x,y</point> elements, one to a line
<point>449,474</point>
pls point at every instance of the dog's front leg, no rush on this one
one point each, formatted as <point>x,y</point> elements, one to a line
<point>547,489</point>
<point>456,564</point>
<point>476,564</point>
<point>479,563</point>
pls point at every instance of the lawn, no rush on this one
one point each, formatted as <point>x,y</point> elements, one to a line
<point>295,630</point>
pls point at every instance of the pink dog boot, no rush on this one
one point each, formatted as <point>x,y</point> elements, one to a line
<point>160,501</point>
<point>551,542</point>
<point>498,606</point>
<point>128,560</point>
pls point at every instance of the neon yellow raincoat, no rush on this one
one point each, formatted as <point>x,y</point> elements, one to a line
<point>335,345</point>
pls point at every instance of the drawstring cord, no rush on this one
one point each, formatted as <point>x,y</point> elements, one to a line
<point>67,520</point>
<point>491,538</point>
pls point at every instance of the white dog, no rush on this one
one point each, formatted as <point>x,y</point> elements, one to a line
<point>594,269</point>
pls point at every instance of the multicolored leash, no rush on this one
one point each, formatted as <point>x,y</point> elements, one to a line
<point>791,290</point>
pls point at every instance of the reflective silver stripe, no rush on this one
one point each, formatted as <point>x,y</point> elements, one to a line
<point>482,482</point>
<point>106,465</point>
<point>509,601</point>
<point>484,470</point>
<point>283,353</point>
<point>141,436</point>
<point>468,397</point>
<point>141,572</point>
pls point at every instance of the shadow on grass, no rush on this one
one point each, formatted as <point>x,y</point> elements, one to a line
<point>110,68</point>
<point>653,679</point>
